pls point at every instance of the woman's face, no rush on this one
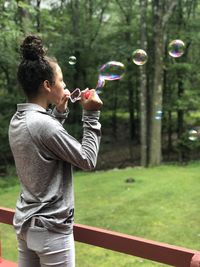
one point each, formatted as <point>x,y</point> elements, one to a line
<point>57,89</point>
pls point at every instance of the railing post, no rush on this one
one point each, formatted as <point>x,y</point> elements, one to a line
<point>0,250</point>
<point>195,261</point>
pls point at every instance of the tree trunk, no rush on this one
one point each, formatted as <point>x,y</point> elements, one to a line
<point>38,15</point>
<point>180,121</point>
<point>169,135</point>
<point>126,10</point>
<point>23,18</point>
<point>156,98</point>
<point>161,17</point>
<point>114,114</point>
<point>143,87</point>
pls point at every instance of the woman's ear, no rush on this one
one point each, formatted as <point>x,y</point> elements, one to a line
<point>47,86</point>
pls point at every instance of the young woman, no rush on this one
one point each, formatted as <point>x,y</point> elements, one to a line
<point>44,154</point>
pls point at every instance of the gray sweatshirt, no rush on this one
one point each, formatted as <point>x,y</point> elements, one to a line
<point>44,153</point>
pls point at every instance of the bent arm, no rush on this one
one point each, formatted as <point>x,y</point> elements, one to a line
<point>62,145</point>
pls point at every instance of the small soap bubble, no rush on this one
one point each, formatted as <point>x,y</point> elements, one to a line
<point>139,57</point>
<point>101,82</point>
<point>112,70</point>
<point>193,135</point>
<point>72,60</point>
<point>158,115</point>
<point>176,48</point>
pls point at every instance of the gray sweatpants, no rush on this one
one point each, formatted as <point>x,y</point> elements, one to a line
<point>39,247</point>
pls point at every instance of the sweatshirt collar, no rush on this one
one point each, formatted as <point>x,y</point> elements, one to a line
<point>30,106</point>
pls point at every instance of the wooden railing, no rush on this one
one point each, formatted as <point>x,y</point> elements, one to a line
<point>136,246</point>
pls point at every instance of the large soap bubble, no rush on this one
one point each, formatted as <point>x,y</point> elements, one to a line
<point>112,70</point>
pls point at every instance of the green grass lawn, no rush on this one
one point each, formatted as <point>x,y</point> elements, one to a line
<point>161,204</point>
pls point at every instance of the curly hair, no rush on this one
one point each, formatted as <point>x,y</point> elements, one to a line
<point>35,66</point>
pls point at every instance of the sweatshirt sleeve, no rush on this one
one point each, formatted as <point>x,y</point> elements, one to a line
<point>63,146</point>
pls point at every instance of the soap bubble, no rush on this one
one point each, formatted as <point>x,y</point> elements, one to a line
<point>158,115</point>
<point>139,57</point>
<point>176,48</point>
<point>193,135</point>
<point>72,60</point>
<point>100,84</point>
<point>112,70</point>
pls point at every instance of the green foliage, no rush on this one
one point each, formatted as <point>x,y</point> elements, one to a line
<point>96,32</point>
<point>8,103</point>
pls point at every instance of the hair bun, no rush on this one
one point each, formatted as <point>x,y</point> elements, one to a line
<point>32,48</point>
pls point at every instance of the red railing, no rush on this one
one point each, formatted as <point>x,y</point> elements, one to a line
<point>136,246</point>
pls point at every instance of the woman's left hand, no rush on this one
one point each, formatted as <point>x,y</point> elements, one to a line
<point>62,106</point>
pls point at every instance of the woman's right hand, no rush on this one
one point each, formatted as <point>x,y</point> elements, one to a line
<point>90,100</point>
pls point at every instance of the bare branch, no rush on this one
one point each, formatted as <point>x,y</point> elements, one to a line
<point>121,7</point>
<point>169,12</point>
<point>99,25</point>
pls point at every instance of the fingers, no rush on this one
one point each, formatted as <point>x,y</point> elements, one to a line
<point>66,93</point>
<point>62,105</point>
<point>90,100</point>
<point>85,94</point>
<point>88,93</point>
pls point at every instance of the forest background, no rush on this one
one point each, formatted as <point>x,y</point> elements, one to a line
<point>147,116</point>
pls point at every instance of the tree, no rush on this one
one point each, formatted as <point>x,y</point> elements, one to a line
<point>97,31</point>
<point>180,87</point>
<point>127,12</point>
<point>162,10</point>
<point>143,86</point>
